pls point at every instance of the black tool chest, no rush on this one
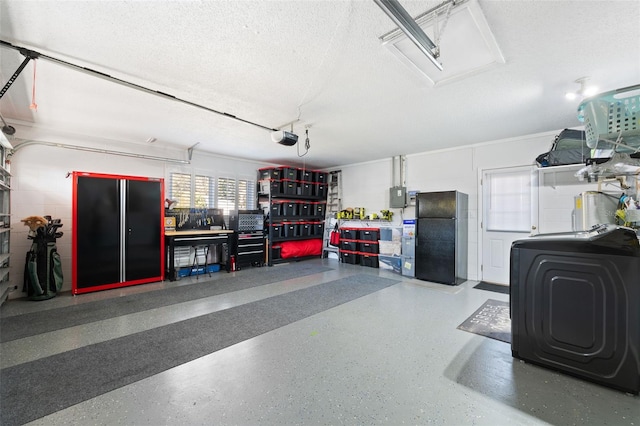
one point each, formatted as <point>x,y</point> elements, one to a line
<point>249,237</point>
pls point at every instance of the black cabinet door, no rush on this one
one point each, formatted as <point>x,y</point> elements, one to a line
<point>97,231</point>
<point>142,231</point>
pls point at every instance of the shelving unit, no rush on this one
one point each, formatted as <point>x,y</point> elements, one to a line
<point>294,202</point>
<point>5,220</point>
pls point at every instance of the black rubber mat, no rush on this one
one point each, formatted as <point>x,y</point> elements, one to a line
<point>20,326</point>
<point>490,320</point>
<point>498,288</point>
<point>35,389</point>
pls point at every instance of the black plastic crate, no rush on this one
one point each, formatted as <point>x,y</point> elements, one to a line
<point>304,229</point>
<point>317,229</point>
<point>276,252</point>
<point>290,230</point>
<point>349,257</point>
<point>290,173</point>
<point>290,187</point>
<point>306,209</point>
<point>370,260</point>
<point>270,173</point>
<point>320,190</point>
<point>322,177</point>
<point>348,233</point>
<point>350,245</point>
<point>369,234</point>
<point>276,230</point>
<point>368,247</point>
<point>276,209</point>
<point>319,209</point>
<point>290,208</point>
<point>276,187</point>
<point>307,175</point>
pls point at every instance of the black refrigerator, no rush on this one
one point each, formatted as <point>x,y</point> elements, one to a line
<point>442,236</point>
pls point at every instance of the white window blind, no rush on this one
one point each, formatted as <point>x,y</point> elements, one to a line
<point>226,194</point>
<point>203,192</point>
<point>246,194</point>
<point>180,189</point>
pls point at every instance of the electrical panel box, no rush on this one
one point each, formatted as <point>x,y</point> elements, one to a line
<point>397,197</point>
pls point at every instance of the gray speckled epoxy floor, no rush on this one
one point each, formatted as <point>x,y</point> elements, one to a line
<point>392,357</point>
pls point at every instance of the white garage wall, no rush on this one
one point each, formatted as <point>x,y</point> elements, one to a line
<point>40,186</point>
<point>368,184</point>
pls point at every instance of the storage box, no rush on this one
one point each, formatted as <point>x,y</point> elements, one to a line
<point>197,270</point>
<point>351,257</point>
<point>306,188</point>
<point>304,229</point>
<point>320,190</point>
<point>349,233</point>
<point>275,209</point>
<point>390,248</point>
<point>409,228</point>
<point>289,208</point>
<point>408,266</point>
<point>290,230</point>
<point>368,246</point>
<point>390,234</point>
<point>290,187</point>
<point>369,259</point>
<point>369,234</point>
<point>319,209</point>
<point>290,173</point>
<point>307,175</point>
<point>305,209</point>
<point>350,245</point>
<point>276,252</point>
<point>269,173</point>
<point>321,177</point>
<point>393,263</point>
<point>276,230</point>
<point>318,229</point>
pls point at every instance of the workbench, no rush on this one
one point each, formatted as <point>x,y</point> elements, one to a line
<point>195,237</point>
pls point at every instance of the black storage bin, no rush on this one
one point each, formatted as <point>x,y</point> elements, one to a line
<point>322,177</point>
<point>370,260</point>
<point>290,230</point>
<point>319,209</point>
<point>269,173</point>
<point>348,234</point>
<point>290,187</point>
<point>276,252</point>
<point>290,173</point>
<point>306,209</point>
<point>276,187</point>
<point>307,175</point>
<point>320,190</point>
<point>304,229</point>
<point>317,229</point>
<point>369,234</point>
<point>368,247</point>
<point>276,209</point>
<point>350,245</point>
<point>276,230</point>
<point>289,208</point>
<point>305,189</point>
<point>349,257</point>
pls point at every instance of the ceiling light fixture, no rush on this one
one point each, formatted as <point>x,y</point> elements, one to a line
<point>405,22</point>
<point>584,91</point>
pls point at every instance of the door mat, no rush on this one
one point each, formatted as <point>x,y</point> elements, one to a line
<point>490,320</point>
<point>498,288</point>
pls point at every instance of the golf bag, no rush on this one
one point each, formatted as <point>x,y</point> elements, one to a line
<point>43,268</point>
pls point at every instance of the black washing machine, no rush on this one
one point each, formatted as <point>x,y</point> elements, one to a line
<point>575,304</point>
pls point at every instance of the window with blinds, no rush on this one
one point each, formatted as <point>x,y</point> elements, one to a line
<point>226,194</point>
<point>246,195</point>
<point>203,192</point>
<point>180,189</point>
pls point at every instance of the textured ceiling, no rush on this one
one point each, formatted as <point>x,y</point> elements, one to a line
<point>318,62</point>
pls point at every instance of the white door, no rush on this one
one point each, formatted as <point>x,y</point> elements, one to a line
<point>509,213</point>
